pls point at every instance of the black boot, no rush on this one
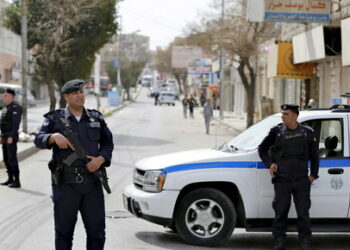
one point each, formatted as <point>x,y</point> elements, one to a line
<point>9,181</point>
<point>15,184</point>
<point>279,243</point>
<point>305,243</point>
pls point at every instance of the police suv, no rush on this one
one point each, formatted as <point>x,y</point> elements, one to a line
<point>205,194</point>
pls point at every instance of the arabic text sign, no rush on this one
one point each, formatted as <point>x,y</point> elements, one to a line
<point>298,10</point>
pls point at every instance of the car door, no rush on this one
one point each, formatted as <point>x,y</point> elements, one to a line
<point>330,192</point>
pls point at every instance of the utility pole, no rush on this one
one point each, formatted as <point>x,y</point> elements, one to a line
<point>222,61</point>
<point>97,69</point>
<point>24,10</point>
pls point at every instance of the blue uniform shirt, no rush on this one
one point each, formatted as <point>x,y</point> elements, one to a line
<point>11,116</point>
<point>92,132</point>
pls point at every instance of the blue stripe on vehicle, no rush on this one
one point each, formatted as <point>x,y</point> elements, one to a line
<point>246,164</point>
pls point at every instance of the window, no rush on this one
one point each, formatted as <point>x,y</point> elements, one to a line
<point>329,135</point>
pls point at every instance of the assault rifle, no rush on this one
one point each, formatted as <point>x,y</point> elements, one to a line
<point>80,153</point>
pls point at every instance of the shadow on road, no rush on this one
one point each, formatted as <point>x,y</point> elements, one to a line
<point>244,241</point>
<point>31,192</point>
<point>129,140</point>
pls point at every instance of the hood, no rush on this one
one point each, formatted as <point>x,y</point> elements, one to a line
<point>192,156</point>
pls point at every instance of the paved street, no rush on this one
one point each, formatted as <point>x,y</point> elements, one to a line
<point>140,130</point>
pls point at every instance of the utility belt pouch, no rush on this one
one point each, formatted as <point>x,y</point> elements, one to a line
<point>56,172</point>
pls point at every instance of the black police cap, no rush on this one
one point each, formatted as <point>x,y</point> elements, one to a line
<point>10,91</point>
<point>72,85</point>
<point>292,107</point>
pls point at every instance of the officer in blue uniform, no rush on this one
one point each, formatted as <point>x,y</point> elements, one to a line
<point>11,116</point>
<point>75,188</point>
<point>286,151</point>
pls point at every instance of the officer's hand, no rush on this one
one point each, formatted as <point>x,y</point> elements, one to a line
<point>9,140</point>
<point>94,163</point>
<point>61,141</point>
<point>311,178</point>
<point>273,169</point>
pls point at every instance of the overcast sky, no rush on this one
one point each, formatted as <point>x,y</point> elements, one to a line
<point>161,20</point>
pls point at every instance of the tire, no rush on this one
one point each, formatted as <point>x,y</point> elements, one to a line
<point>205,217</point>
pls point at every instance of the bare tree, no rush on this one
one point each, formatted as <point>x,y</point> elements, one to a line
<point>239,39</point>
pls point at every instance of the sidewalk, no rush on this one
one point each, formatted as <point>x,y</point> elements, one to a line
<point>233,121</point>
<point>26,149</point>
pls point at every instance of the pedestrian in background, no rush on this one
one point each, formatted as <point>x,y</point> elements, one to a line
<point>208,114</point>
<point>286,151</point>
<point>191,104</point>
<point>156,98</point>
<point>184,106</point>
<point>11,116</point>
<point>311,104</point>
<point>75,188</point>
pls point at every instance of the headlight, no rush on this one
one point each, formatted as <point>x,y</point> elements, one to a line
<point>152,181</point>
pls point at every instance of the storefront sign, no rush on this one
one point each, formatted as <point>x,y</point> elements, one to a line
<point>281,65</point>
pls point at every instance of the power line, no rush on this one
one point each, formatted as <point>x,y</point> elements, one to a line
<point>152,19</point>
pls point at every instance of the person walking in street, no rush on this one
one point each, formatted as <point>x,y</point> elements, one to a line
<point>208,115</point>
<point>184,106</point>
<point>191,104</point>
<point>11,116</point>
<point>156,98</point>
<point>74,184</point>
<point>286,151</point>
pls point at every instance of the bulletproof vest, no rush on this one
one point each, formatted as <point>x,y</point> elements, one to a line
<point>291,144</point>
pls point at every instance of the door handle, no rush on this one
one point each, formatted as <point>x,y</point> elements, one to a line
<point>335,171</point>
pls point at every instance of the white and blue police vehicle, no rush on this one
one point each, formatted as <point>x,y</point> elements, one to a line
<point>205,194</point>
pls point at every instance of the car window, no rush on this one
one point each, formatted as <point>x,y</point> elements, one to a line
<point>329,137</point>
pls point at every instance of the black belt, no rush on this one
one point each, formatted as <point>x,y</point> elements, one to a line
<point>75,170</point>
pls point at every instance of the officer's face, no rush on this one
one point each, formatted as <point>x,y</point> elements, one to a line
<point>8,98</point>
<point>75,99</point>
<point>288,116</point>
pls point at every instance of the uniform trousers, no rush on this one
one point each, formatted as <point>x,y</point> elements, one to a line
<point>10,157</point>
<point>207,119</point>
<point>300,190</point>
<point>88,199</point>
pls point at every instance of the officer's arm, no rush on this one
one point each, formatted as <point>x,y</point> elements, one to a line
<point>106,144</point>
<point>313,155</point>
<point>264,147</point>
<point>42,138</point>
<point>16,120</point>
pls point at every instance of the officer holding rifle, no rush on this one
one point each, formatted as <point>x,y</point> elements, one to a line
<point>82,147</point>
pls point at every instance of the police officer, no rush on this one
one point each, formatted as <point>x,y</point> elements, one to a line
<point>10,119</point>
<point>75,188</point>
<point>286,151</point>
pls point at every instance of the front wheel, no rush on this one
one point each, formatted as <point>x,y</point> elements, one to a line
<point>205,217</point>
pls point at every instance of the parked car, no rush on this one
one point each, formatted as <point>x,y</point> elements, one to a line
<point>205,194</point>
<point>19,93</point>
<point>167,98</point>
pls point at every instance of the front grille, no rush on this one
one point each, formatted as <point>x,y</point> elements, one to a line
<point>138,178</point>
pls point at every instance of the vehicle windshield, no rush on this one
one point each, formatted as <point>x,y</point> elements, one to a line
<point>253,136</point>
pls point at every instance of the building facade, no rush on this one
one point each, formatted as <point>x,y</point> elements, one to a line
<point>10,52</point>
